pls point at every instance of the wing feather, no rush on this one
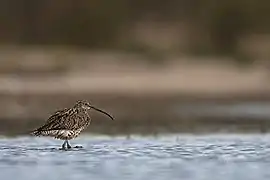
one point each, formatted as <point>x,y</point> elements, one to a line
<point>66,119</point>
<point>56,121</point>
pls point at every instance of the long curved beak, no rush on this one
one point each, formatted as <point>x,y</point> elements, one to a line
<point>101,111</point>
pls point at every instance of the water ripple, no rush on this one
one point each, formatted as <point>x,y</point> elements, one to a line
<point>186,157</point>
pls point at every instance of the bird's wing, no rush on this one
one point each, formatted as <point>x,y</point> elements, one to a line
<point>56,115</point>
<point>57,120</point>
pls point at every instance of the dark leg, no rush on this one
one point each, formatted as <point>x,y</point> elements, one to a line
<point>64,144</point>
<point>68,145</point>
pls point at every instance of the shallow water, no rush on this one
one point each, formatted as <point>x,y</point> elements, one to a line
<point>222,157</point>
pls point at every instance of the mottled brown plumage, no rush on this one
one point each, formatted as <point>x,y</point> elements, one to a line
<point>68,123</point>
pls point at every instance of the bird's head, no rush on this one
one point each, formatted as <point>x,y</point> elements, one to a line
<point>83,104</point>
<point>87,106</point>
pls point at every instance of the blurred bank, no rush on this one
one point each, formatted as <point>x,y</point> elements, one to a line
<point>157,66</point>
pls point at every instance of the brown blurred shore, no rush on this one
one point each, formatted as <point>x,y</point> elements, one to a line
<point>139,95</point>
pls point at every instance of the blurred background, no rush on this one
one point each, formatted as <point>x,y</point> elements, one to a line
<point>194,66</point>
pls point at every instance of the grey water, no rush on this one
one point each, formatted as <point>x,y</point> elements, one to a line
<point>170,157</point>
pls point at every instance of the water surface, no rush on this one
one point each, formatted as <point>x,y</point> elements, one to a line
<point>174,157</point>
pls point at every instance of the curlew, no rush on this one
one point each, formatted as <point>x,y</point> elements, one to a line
<point>68,123</point>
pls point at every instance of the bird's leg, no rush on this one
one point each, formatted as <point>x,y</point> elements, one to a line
<point>68,145</point>
<point>64,144</point>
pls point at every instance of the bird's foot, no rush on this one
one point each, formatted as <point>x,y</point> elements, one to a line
<point>69,147</point>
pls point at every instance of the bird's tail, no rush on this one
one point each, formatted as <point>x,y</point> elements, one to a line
<point>35,133</point>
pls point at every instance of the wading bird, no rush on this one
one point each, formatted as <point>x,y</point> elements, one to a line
<point>68,123</point>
